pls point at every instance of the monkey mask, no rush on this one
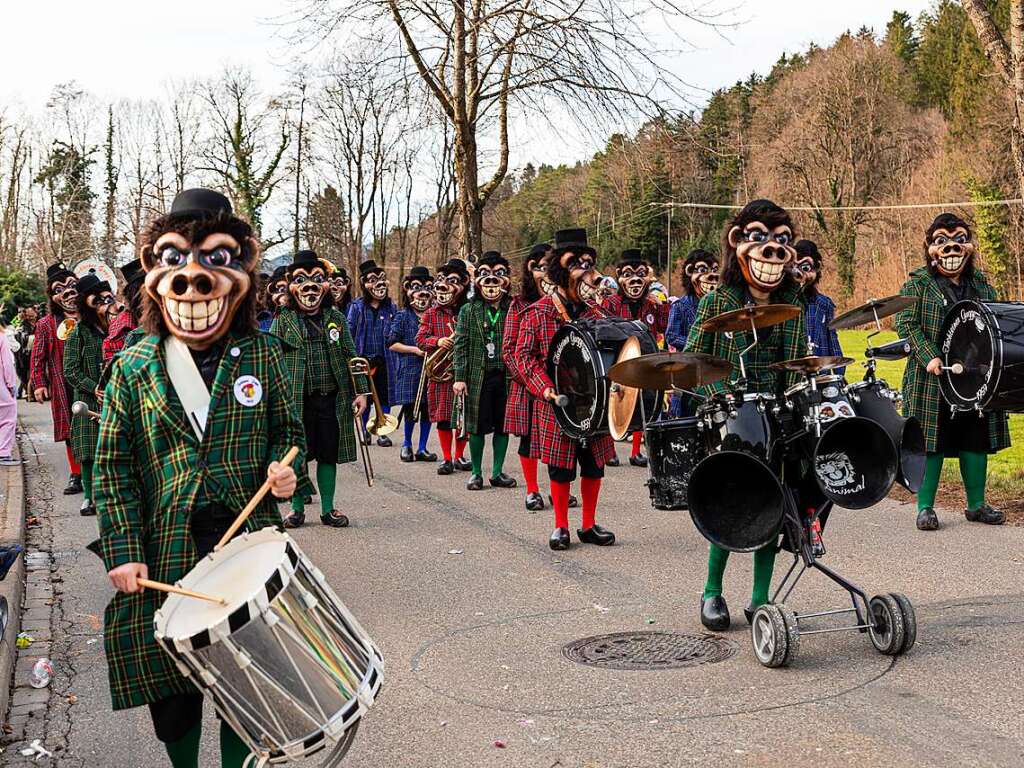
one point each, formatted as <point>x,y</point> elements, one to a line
<point>200,262</point>
<point>701,273</point>
<point>764,253</point>
<point>277,288</point>
<point>339,286</point>
<point>634,275</point>
<point>373,280</point>
<point>572,266</point>
<point>96,302</point>
<point>492,278</point>
<point>307,282</point>
<point>948,244</point>
<point>450,284</point>
<point>62,288</point>
<point>418,286</point>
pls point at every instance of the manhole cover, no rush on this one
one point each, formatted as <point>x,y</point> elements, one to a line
<point>649,650</point>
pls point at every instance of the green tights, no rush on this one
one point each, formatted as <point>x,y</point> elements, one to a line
<point>184,752</point>
<point>326,482</point>
<point>973,471</point>
<point>499,446</point>
<point>87,480</point>
<point>764,565</point>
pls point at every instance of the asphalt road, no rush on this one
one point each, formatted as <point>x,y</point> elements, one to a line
<point>473,641</point>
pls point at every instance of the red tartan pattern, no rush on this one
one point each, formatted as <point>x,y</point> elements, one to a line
<point>537,328</point>
<point>617,307</point>
<point>436,324</point>
<point>120,327</point>
<point>47,368</point>
<point>517,408</point>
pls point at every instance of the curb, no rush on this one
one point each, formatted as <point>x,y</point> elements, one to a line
<point>12,531</point>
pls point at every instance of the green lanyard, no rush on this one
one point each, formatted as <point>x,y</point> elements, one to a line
<point>492,331</point>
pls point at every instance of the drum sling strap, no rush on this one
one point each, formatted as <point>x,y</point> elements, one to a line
<point>187,383</point>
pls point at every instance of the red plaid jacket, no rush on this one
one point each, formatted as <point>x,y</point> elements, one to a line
<point>537,327</point>
<point>120,327</point>
<point>47,370</point>
<point>652,314</point>
<point>437,323</point>
<point>517,408</point>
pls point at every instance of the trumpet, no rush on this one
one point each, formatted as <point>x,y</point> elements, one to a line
<point>383,423</point>
<point>356,366</point>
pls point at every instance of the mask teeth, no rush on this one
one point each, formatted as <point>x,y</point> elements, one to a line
<point>766,272</point>
<point>193,316</point>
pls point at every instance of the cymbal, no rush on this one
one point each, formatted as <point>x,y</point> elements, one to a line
<point>757,315</point>
<point>668,370</point>
<point>813,364</point>
<point>866,312</point>
<point>622,399</point>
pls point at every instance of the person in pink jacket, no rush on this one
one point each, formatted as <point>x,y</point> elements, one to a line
<point>8,400</point>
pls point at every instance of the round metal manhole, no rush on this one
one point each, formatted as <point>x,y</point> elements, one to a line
<point>649,650</point>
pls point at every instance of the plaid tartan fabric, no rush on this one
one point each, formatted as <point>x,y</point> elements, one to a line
<point>784,341</point>
<point>921,325</point>
<point>134,336</point>
<point>537,328</point>
<point>119,329</point>
<point>409,367</point>
<point>150,471</point>
<point>47,370</point>
<point>517,408</point>
<point>652,313</point>
<point>680,320</point>
<point>436,324</point>
<point>819,311</point>
<point>469,359</point>
<point>369,330</point>
<point>319,374</point>
<point>83,363</point>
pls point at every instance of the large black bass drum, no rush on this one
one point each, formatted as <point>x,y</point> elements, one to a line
<point>876,401</point>
<point>983,350</point>
<point>675,446</point>
<point>580,355</point>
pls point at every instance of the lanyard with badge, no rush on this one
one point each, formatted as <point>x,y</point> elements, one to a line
<point>491,327</point>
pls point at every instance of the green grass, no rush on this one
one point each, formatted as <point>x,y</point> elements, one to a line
<point>1006,468</point>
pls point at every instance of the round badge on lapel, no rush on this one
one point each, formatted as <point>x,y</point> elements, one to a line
<point>248,390</point>
<point>333,333</point>
<point>650,319</point>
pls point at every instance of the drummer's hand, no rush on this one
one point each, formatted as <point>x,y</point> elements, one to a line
<point>935,366</point>
<point>124,577</point>
<point>359,405</point>
<point>445,343</point>
<point>459,388</point>
<point>550,394</point>
<point>282,480</point>
<point>41,394</point>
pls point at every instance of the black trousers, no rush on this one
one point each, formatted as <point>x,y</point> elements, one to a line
<point>493,398</point>
<point>320,421</point>
<point>379,366</point>
<point>585,461</point>
<point>408,415</point>
<point>526,441</point>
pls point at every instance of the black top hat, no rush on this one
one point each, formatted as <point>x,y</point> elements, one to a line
<point>132,271</point>
<point>56,272</point>
<point>342,272</point>
<point>89,284</point>
<point>200,203</point>
<point>492,259</point>
<point>305,259</point>
<point>278,273</point>
<point>369,266</point>
<point>574,240</point>
<point>631,257</point>
<point>454,267</point>
<point>538,250</point>
<point>418,272</point>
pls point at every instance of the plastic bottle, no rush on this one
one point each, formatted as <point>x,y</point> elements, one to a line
<point>42,671</point>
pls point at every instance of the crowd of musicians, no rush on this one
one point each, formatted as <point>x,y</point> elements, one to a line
<point>199,372</point>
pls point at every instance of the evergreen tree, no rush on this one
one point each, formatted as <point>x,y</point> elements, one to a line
<point>901,36</point>
<point>65,177</point>
<point>111,173</point>
<point>991,226</point>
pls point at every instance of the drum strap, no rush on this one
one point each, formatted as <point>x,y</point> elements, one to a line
<point>560,307</point>
<point>188,383</point>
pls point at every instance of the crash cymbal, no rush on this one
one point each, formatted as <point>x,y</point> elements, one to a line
<point>668,370</point>
<point>622,399</point>
<point>757,315</point>
<point>867,311</point>
<point>813,364</point>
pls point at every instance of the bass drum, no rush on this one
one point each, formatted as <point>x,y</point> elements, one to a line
<point>674,447</point>
<point>987,340</point>
<point>876,401</point>
<point>855,463</point>
<point>580,355</point>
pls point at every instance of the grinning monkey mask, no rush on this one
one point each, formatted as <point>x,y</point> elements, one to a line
<point>700,273</point>
<point>374,281</point>
<point>200,262</point>
<point>807,268</point>
<point>277,288</point>
<point>96,302</point>
<point>418,289</point>
<point>340,285</point>
<point>307,282</point>
<point>948,247</point>
<point>492,278</point>
<point>634,275</point>
<point>759,243</point>
<point>534,269</point>
<point>62,288</point>
<point>450,284</point>
<point>571,267</point>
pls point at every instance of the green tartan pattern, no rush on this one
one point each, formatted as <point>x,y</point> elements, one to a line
<point>83,363</point>
<point>784,341</point>
<point>319,374</point>
<point>150,469</point>
<point>469,357</point>
<point>921,325</point>
<point>134,336</point>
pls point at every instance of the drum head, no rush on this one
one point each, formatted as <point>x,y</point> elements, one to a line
<point>967,339</point>
<point>736,501</point>
<point>855,463</point>
<point>622,399</point>
<point>575,367</point>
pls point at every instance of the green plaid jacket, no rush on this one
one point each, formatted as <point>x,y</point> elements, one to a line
<point>785,341</point>
<point>150,469</point>
<point>469,356</point>
<point>921,325</point>
<point>83,364</point>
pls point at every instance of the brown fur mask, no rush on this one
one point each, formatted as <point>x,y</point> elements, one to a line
<point>948,247</point>
<point>758,247</point>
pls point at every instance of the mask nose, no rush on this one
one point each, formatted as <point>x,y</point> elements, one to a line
<point>773,252</point>
<point>191,283</point>
<point>952,249</point>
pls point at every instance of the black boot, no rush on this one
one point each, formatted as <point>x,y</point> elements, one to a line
<point>406,454</point>
<point>927,520</point>
<point>602,537</point>
<point>384,441</point>
<point>88,509</point>
<point>446,468</point>
<point>985,514</point>
<point>335,519</point>
<point>425,456</point>
<point>534,502</point>
<point>748,612</point>
<point>295,520</point>
<point>503,481</point>
<point>463,464</point>
<point>714,613</point>
<point>476,483</point>
<point>74,485</point>
<point>638,461</point>
<point>559,539</point>
<point>612,462</point>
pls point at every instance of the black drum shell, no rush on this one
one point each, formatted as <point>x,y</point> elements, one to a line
<point>871,402</point>
<point>674,448</point>
<point>855,463</point>
<point>750,429</point>
<point>987,338</point>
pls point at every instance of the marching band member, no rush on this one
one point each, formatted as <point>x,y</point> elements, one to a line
<point>47,364</point>
<point>123,324</point>
<point>417,291</point>
<point>819,309</point>
<point>277,290</point>
<point>195,417</point>
<point>437,331</point>
<point>369,317</point>
<point>318,348</point>
<point>341,294</point>
<point>571,270</point>
<point>949,276</point>
<point>756,269</point>
<point>479,368</point>
<point>700,276</point>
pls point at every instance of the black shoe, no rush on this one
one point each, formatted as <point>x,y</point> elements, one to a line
<point>88,509</point>
<point>638,461</point>
<point>406,454</point>
<point>335,519</point>
<point>463,465</point>
<point>602,537</point>
<point>559,539</point>
<point>927,520</point>
<point>714,613</point>
<point>573,501</point>
<point>446,468</point>
<point>476,483</point>
<point>748,612</point>
<point>534,502</point>
<point>425,456</point>
<point>74,485</point>
<point>307,499</point>
<point>612,462</point>
<point>503,481</point>
<point>985,514</point>
<point>384,441</point>
<point>295,520</point>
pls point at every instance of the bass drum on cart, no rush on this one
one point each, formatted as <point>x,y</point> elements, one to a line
<point>674,447</point>
<point>985,342</point>
<point>876,401</point>
<point>580,356</point>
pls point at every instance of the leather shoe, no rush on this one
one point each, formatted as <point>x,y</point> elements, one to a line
<point>559,539</point>
<point>425,456</point>
<point>406,454</point>
<point>503,481</point>
<point>88,509</point>
<point>335,520</point>
<point>463,464</point>
<point>612,462</point>
<point>74,485</point>
<point>476,483</point>
<point>714,613</point>
<point>927,520</point>
<point>534,502</point>
<point>985,514</point>
<point>445,468</point>
<point>295,520</point>
<point>749,611</point>
<point>602,537</point>
<point>638,461</point>
<point>384,441</point>
<point>573,501</point>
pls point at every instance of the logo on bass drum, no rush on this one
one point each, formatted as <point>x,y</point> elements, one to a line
<point>836,472</point>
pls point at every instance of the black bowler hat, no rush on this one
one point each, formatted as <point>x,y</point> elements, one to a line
<point>342,272</point>
<point>369,266</point>
<point>306,260</point>
<point>418,272</point>
<point>132,271</point>
<point>278,273</point>
<point>454,266</point>
<point>574,240</point>
<point>538,250</point>
<point>56,272</point>
<point>199,203</point>
<point>632,257</point>
<point>492,259</point>
<point>89,284</point>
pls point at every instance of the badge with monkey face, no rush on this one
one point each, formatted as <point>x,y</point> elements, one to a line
<point>950,249</point>
<point>764,254</point>
<point>307,282</point>
<point>492,278</point>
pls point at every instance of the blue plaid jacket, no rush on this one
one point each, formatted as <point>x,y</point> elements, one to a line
<point>819,311</point>
<point>402,330</point>
<point>369,333</point>
<point>680,318</point>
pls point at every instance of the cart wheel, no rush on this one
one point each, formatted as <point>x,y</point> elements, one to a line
<point>792,630</point>
<point>887,630</point>
<point>909,621</point>
<point>770,636</point>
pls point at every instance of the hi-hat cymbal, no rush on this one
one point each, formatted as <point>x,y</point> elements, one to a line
<point>813,364</point>
<point>756,315</point>
<point>867,311</point>
<point>668,370</point>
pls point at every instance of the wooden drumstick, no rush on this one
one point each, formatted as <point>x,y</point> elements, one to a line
<point>80,408</point>
<point>159,586</point>
<point>244,514</point>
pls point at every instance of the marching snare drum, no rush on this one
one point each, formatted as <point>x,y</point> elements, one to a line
<point>743,424</point>
<point>286,664</point>
<point>674,447</point>
<point>987,340</point>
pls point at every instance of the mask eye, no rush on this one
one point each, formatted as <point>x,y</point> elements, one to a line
<point>319,279</point>
<point>218,257</point>
<point>962,239</point>
<point>172,257</point>
<point>941,240</point>
<point>782,238</point>
<point>299,280</point>
<point>755,236</point>
<point>501,272</point>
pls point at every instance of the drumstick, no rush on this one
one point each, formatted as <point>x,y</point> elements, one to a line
<point>161,587</point>
<point>80,408</point>
<point>244,514</point>
<point>956,368</point>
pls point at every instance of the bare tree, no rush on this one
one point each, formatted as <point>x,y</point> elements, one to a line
<point>14,151</point>
<point>179,130</point>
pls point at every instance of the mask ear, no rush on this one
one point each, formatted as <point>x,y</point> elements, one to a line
<point>734,236</point>
<point>147,257</point>
<point>688,269</point>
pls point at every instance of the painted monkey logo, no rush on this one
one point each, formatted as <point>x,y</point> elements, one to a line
<point>248,390</point>
<point>836,472</point>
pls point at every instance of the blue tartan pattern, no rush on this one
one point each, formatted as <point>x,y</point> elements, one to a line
<point>680,319</point>
<point>369,332</point>
<point>819,311</point>
<point>403,330</point>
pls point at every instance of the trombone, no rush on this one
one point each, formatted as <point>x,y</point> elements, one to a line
<point>357,366</point>
<point>383,423</point>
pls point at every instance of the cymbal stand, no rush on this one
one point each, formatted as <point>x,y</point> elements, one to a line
<point>871,364</point>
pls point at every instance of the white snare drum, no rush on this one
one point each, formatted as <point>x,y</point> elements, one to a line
<point>286,664</point>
